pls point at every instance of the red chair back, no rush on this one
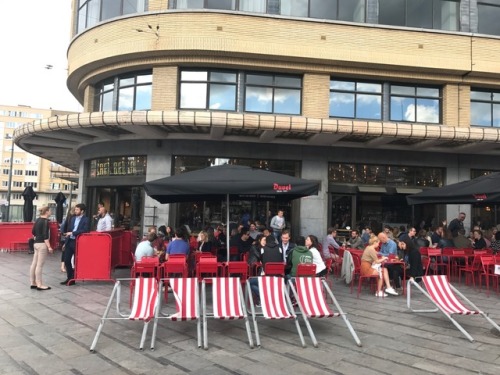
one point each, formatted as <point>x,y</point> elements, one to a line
<point>274,269</point>
<point>238,268</point>
<point>424,251</point>
<point>306,269</point>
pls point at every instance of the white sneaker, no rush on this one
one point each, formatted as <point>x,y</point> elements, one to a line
<point>391,291</point>
<point>380,294</point>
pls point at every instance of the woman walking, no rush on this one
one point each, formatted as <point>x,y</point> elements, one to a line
<point>40,231</point>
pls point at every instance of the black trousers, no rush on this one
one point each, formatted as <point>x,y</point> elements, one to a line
<point>69,251</point>
<point>395,273</point>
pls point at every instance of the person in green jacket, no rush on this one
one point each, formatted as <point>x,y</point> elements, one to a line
<point>300,254</point>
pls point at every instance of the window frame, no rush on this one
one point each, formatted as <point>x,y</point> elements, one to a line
<point>490,102</point>
<point>416,97</point>
<point>100,90</point>
<point>356,92</point>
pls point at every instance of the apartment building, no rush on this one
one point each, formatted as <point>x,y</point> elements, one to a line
<point>22,169</point>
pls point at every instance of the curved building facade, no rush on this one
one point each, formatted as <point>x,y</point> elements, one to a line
<point>377,99</point>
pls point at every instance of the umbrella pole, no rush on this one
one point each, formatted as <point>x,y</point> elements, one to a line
<point>228,234</point>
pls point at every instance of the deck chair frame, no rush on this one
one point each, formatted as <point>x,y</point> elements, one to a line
<point>315,304</point>
<point>450,305</point>
<point>187,308</point>
<point>227,304</point>
<point>278,306</point>
<point>142,308</point>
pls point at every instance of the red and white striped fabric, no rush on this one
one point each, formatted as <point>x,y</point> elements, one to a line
<point>186,298</point>
<point>439,289</point>
<point>311,298</point>
<point>226,298</point>
<point>145,299</point>
<point>272,298</point>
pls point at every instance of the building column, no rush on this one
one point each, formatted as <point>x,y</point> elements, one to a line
<point>313,209</point>
<point>159,166</point>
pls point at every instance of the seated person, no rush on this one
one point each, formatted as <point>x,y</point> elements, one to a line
<point>478,241</point>
<point>355,241</point>
<point>299,254</point>
<point>330,241</point>
<point>390,249</point>
<point>371,264</point>
<point>145,248</point>
<point>243,242</point>
<point>312,245</point>
<point>204,245</point>
<point>178,245</point>
<point>416,269</point>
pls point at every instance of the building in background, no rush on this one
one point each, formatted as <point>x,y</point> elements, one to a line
<point>24,169</point>
<point>377,99</point>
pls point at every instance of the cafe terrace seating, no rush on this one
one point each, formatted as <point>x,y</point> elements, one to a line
<point>442,294</point>
<point>308,292</point>
<point>227,304</point>
<point>144,305</point>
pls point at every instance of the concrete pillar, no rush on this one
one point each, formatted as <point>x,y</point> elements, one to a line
<point>313,209</point>
<point>159,166</point>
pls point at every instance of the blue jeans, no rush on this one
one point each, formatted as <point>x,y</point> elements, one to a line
<point>254,286</point>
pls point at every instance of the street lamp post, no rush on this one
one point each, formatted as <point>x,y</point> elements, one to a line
<point>9,188</point>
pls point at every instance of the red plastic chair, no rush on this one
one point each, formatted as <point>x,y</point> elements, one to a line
<point>437,255</point>
<point>488,268</point>
<point>357,266</point>
<point>305,269</point>
<point>471,269</point>
<point>274,269</point>
<point>206,267</point>
<point>237,269</point>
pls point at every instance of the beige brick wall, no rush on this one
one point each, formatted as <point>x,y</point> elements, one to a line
<point>450,105</point>
<point>464,105</point>
<point>88,105</point>
<point>316,95</point>
<point>156,5</point>
<point>164,88</point>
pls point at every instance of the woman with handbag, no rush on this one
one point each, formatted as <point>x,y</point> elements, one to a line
<point>42,246</point>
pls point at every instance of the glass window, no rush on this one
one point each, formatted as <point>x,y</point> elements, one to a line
<point>485,108</point>
<point>110,9</point>
<point>214,90</point>
<point>257,6</point>
<point>296,8</point>
<point>488,16</point>
<point>125,93</point>
<point>273,94</point>
<point>415,104</point>
<point>352,10</point>
<point>356,99</point>
<point>427,14</point>
<point>220,4</point>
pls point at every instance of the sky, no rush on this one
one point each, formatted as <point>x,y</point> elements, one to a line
<point>34,34</point>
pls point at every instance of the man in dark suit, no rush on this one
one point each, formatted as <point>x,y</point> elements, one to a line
<point>79,224</point>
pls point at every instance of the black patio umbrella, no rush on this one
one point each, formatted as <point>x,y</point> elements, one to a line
<point>484,189</point>
<point>226,182</point>
<point>29,195</point>
<point>59,199</point>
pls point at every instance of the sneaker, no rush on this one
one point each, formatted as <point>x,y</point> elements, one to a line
<point>391,291</point>
<point>380,294</point>
<point>258,305</point>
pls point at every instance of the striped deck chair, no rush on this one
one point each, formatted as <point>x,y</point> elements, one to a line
<point>442,294</point>
<point>227,304</point>
<point>275,303</point>
<point>308,292</point>
<point>144,305</point>
<point>187,304</point>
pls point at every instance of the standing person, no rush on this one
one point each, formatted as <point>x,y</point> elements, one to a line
<point>79,224</point>
<point>42,247</point>
<point>97,216</point>
<point>457,224</point>
<point>105,222</point>
<point>63,230</point>
<point>278,224</point>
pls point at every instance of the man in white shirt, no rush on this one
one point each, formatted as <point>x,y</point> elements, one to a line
<point>278,224</point>
<point>105,222</point>
<point>145,248</point>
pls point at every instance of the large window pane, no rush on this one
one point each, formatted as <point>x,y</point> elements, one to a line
<point>287,81</point>
<point>296,8</point>
<point>222,77</point>
<point>324,9</point>
<point>220,4</point>
<point>107,102</point>
<point>480,114</point>
<point>496,115</point>
<point>93,11</point>
<point>446,15</point>
<point>126,99</point>
<point>419,13</point>
<point>287,101</point>
<point>190,4</point>
<point>341,105</point>
<point>193,76</point>
<point>255,79</point>
<point>427,110</point>
<point>488,16</point>
<point>222,97</point>
<point>257,6</point>
<point>391,12</point>
<point>193,95</point>
<point>352,10</point>
<point>258,99</point>
<point>402,109</point>
<point>143,98</point>
<point>110,8</point>
<point>369,106</point>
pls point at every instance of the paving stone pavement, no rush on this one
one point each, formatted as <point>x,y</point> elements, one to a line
<point>50,332</point>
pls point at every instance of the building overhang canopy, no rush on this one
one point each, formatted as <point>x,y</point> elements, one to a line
<point>59,138</point>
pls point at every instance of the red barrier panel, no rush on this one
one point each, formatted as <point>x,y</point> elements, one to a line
<point>93,257</point>
<point>15,236</point>
<point>129,238</point>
